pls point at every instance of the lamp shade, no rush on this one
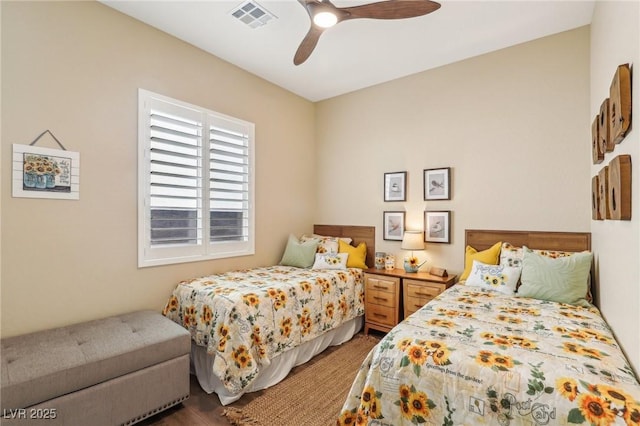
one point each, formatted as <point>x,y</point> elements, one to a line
<point>412,240</point>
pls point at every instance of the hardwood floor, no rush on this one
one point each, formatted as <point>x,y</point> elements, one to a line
<point>200,409</point>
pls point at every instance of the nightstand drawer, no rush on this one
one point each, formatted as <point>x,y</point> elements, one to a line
<point>378,297</point>
<point>412,304</point>
<point>377,284</point>
<point>419,293</point>
<point>422,290</point>
<point>381,314</point>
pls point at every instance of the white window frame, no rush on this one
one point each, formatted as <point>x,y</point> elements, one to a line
<point>154,255</point>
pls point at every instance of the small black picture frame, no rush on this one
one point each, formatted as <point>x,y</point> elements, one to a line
<point>395,186</point>
<point>393,225</point>
<point>437,184</point>
<point>437,226</point>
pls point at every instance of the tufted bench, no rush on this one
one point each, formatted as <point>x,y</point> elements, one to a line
<point>112,371</point>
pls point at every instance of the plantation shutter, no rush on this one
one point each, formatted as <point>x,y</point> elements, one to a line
<point>229,169</point>
<point>175,176</point>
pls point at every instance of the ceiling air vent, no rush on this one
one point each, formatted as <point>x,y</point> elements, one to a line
<point>252,14</point>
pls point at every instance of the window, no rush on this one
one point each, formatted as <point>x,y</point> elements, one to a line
<point>195,177</point>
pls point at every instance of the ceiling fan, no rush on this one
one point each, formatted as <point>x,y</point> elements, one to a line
<point>325,14</point>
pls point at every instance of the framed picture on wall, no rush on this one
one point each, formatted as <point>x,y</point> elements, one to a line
<point>395,186</point>
<point>436,184</point>
<point>393,225</point>
<point>45,173</point>
<point>437,226</point>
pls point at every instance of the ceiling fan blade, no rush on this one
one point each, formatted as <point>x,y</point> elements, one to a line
<point>307,45</point>
<point>392,9</point>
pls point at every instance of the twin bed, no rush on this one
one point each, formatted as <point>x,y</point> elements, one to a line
<point>250,328</point>
<point>475,355</point>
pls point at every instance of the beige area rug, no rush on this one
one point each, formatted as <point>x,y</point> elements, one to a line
<point>313,396</point>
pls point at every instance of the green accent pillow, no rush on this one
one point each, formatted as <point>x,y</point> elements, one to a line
<point>563,279</point>
<point>300,255</point>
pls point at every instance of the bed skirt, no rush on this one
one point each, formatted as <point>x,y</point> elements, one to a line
<point>202,363</point>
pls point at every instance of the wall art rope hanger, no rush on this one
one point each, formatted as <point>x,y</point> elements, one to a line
<point>52,135</point>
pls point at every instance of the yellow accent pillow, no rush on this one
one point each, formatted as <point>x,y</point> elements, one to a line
<point>357,255</point>
<point>490,256</point>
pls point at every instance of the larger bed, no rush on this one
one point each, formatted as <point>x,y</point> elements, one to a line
<point>249,328</point>
<point>478,356</point>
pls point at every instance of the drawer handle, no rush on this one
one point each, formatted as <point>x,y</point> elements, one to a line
<point>423,294</point>
<point>381,287</point>
<point>418,306</point>
<point>379,315</point>
<point>380,298</point>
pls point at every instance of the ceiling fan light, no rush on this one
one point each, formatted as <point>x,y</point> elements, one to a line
<point>325,19</point>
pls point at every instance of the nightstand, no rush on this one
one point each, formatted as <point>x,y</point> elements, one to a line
<point>383,290</point>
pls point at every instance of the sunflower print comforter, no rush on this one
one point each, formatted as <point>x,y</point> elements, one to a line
<point>476,357</point>
<point>246,318</point>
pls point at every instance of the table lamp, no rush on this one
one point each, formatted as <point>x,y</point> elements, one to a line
<point>412,240</point>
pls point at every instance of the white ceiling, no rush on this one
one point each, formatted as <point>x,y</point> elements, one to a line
<point>357,53</point>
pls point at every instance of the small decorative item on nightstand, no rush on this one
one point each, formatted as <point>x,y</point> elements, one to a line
<point>412,240</point>
<point>389,262</point>
<point>379,261</point>
<point>438,272</point>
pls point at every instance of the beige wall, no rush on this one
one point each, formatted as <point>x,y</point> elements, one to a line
<point>615,40</point>
<point>513,125</point>
<point>75,68</point>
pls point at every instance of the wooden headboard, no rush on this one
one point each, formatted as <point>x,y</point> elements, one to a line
<point>359,234</point>
<point>562,241</point>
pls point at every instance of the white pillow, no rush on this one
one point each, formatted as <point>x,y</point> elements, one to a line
<point>325,244</point>
<point>330,261</point>
<point>345,239</point>
<point>495,277</point>
<point>511,255</point>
